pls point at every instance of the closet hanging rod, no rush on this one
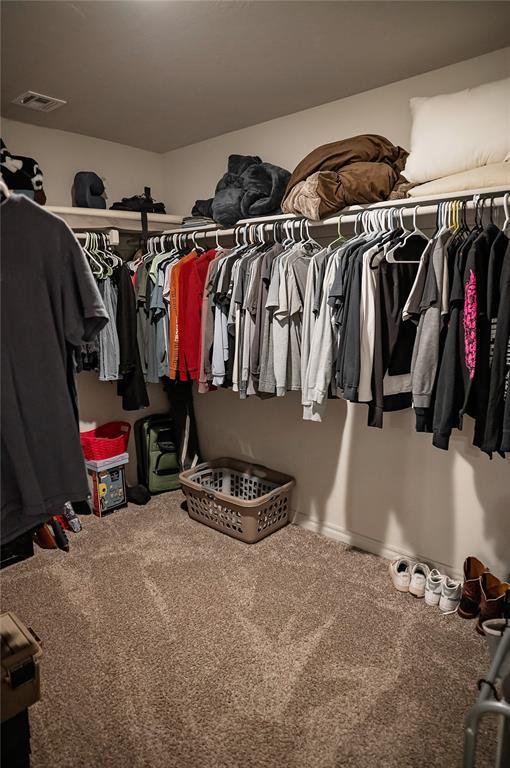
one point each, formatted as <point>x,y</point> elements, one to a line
<point>421,210</point>
<point>350,214</point>
<point>112,235</point>
<point>405,202</point>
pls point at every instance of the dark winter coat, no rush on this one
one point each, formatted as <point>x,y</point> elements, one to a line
<point>249,188</point>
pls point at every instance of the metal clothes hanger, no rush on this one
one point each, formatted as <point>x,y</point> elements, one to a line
<point>455,216</point>
<point>338,240</point>
<point>460,228</point>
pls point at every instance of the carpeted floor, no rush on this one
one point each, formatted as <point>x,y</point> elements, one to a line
<point>169,645</point>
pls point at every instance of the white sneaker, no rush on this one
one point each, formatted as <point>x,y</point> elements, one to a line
<point>433,587</point>
<point>450,595</point>
<point>419,575</point>
<point>400,570</point>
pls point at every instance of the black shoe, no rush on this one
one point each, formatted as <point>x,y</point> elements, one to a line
<point>138,494</point>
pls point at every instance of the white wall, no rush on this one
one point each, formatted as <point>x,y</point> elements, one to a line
<point>126,170</point>
<point>192,172</point>
<point>99,403</point>
<point>61,154</point>
<point>390,490</point>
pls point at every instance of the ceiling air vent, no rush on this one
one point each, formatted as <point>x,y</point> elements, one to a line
<point>38,101</point>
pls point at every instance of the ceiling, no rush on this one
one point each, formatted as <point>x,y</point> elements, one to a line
<point>161,75</point>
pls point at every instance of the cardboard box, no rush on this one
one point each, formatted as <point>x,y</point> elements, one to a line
<point>108,484</point>
<point>21,653</point>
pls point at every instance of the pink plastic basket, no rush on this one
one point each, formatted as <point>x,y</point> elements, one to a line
<point>105,441</point>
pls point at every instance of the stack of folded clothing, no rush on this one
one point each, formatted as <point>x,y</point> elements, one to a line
<point>249,188</point>
<point>197,221</point>
<point>362,169</point>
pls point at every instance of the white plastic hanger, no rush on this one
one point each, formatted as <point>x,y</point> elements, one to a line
<point>415,230</point>
<point>198,248</point>
<point>506,223</point>
<point>289,240</point>
<point>371,224</point>
<point>110,255</point>
<point>103,255</point>
<point>309,240</point>
<point>415,233</point>
<point>99,271</point>
<point>444,217</point>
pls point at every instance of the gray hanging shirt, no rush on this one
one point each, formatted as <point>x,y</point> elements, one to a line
<point>50,304</point>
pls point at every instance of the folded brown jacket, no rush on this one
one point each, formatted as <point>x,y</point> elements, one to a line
<point>362,169</point>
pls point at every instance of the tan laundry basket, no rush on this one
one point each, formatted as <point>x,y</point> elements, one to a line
<point>246,501</point>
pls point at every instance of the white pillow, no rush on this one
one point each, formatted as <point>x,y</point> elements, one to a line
<point>454,132</point>
<point>493,175</point>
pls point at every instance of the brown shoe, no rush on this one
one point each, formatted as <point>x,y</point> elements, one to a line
<point>492,604</point>
<point>44,538</point>
<point>471,590</point>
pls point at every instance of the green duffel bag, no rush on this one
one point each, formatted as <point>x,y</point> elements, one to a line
<point>156,454</point>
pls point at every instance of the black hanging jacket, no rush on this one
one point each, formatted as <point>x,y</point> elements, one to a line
<point>505,435</point>
<point>394,338</point>
<point>497,410</point>
<point>131,386</point>
<point>450,383</point>
<point>477,331</point>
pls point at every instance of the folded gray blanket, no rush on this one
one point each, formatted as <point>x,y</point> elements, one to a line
<point>249,188</point>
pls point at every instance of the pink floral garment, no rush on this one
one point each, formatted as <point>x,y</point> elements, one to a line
<point>470,310</point>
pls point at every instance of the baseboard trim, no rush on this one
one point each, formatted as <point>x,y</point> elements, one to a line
<point>376,547</point>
